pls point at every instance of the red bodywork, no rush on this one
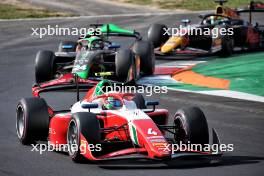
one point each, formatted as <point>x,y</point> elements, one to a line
<point>117,130</point>
<point>59,125</point>
<point>149,144</point>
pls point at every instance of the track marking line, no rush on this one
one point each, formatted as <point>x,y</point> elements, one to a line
<point>226,93</point>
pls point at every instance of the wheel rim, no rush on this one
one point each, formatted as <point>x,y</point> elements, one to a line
<point>20,123</point>
<point>72,137</point>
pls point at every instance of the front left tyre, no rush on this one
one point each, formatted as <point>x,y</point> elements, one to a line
<point>86,124</point>
<point>32,120</point>
<point>191,126</point>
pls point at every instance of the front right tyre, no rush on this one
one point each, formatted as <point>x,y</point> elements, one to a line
<point>32,120</point>
<point>44,66</point>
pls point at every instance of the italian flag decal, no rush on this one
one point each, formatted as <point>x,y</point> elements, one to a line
<point>133,134</point>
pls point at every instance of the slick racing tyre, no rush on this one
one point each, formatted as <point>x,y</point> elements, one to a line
<point>227,46</point>
<point>140,101</point>
<point>191,126</point>
<point>84,123</point>
<point>32,120</point>
<point>145,50</point>
<point>157,34</point>
<point>124,62</point>
<point>44,66</point>
<point>67,46</point>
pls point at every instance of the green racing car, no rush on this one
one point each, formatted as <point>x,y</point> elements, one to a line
<point>95,56</point>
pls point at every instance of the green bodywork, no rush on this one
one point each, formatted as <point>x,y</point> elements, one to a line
<point>99,87</point>
<point>112,28</point>
<point>81,69</point>
<point>83,74</point>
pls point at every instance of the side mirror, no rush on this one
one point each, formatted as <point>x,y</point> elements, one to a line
<point>89,105</point>
<point>114,46</point>
<point>152,103</point>
<point>185,21</point>
<point>67,46</point>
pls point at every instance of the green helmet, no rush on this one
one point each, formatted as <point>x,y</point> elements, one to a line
<point>93,38</point>
<point>92,42</point>
<point>101,87</point>
<point>95,42</point>
<point>112,103</point>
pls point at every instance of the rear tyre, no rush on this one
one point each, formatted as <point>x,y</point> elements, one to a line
<point>84,123</point>
<point>44,66</point>
<point>191,125</point>
<point>32,120</point>
<point>145,50</point>
<point>124,61</point>
<point>140,101</point>
<point>157,34</point>
<point>70,46</point>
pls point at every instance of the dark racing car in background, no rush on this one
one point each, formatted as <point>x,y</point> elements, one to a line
<point>96,56</point>
<point>242,34</point>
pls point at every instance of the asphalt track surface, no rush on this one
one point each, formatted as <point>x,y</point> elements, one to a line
<point>238,122</point>
<point>91,7</point>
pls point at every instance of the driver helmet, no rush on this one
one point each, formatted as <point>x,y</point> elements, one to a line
<point>214,19</point>
<point>112,103</point>
<point>95,43</point>
<point>91,43</point>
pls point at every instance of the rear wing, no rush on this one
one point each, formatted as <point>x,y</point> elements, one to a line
<point>114,30</point>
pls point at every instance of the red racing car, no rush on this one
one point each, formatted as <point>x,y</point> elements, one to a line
<point>112,125</point>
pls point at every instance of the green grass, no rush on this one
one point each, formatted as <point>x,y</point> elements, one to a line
<point>13,12</point>
<point>188,4</point>
<point>245,72</point>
